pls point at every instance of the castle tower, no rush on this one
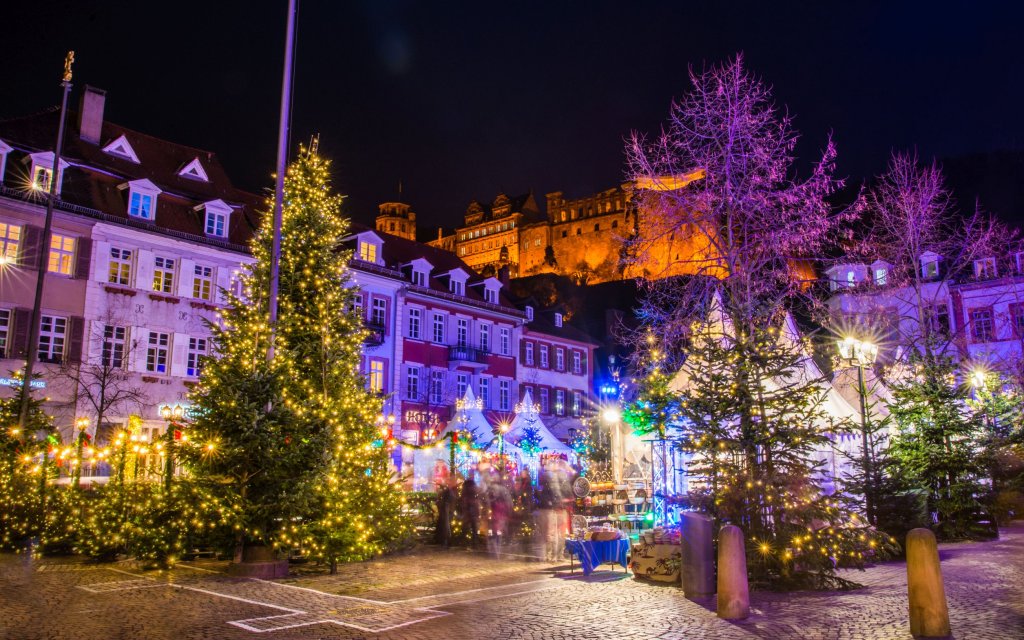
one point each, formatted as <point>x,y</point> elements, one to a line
<point>398,219</point>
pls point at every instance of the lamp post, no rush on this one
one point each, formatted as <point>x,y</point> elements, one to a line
<point>173,416</point>
<point>862,353</point>
<point>611,416</point>
<point>81,424</point>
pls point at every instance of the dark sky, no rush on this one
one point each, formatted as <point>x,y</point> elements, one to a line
<point>462,101</point>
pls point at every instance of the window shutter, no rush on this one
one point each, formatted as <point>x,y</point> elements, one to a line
<point>139,339</point>
<point>223,282</point>
<point>522,352</point>
<point>583,363</point>
<point>179,349</point>
<point>76,333</point>
<point>31,247</point>
<point>144,270</point>
<point>186,274</point>
<point>101,261</point>
<point>19,343</point>
<point>83,257</point>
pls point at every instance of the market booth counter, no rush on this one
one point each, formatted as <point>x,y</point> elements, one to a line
<point>598,545</point>
<point>657,555</point>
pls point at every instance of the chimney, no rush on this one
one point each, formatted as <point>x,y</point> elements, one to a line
<point>503,275</point>
<point>90,114</point>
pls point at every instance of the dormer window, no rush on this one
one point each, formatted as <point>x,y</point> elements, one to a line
<point>4,150</point>
<point>985,268</point>
<point>42,171</point>
<point>421,272</point>
<point>419,278</point>
<point>529,314</point>
<point>851,278</point>
<point>142,195</point>
<point>457,287</point>
<point>121,148</point>
<point>194,170</point>
<point>880,272</point>
<point>367,252</point>
<point>217,218</point>
<point>558,320</point>
<point>930,264</point>
<point>491,295</point>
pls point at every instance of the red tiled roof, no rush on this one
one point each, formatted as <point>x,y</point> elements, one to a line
<point>93,177</point>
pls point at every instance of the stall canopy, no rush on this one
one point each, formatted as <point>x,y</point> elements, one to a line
<point>528,417</point>
<point>470,417</point>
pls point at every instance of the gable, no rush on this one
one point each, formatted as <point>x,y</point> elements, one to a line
<point>120,147</point>
<point>194,170</point>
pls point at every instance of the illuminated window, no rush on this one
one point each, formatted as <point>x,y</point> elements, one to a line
<point>140,205</point>
<point>577,403</point>
<point>985,268</point>
<point>41,178</point>
<point>202,283</point>
<point>197,350</point>
<point>367,252</point>
<point>156,353</point>
<point>112,355</point>
<point>377,374</point>
<point>120,271</point>
<point>62,254</point>
<point>10,240</point>
<point>163,274</point>
<point>52,334</point>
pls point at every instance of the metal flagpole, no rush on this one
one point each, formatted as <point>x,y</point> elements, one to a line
<point>282,160</point>
<point>42,260</point>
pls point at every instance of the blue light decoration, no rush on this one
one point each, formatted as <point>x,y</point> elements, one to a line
<point>16,382</point>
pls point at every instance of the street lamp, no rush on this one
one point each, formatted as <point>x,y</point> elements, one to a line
<point>81,424</point>
<point>862,353</point>
<point>173,416</point>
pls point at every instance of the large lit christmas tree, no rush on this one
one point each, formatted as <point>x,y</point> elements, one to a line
<point>288,442</point>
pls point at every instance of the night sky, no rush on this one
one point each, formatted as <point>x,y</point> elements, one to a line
<point>461,101</point>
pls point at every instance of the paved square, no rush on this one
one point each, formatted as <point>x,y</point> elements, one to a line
<point>457,594</point>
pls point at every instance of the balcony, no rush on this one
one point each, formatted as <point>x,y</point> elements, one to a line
<point>375,335</point>
<point>467,355</point>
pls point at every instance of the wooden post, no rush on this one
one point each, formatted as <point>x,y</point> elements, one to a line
<point>929,613</point>
<point>733,591</point>
<point>698,555</point>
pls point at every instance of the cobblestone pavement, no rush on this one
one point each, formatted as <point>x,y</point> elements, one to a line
<point>458,594</point>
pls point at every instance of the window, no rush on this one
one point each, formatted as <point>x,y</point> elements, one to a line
<point>485,337</point>
<point>41,178</point>
<point>983,325</point>
<point>880,277</point>
<point>415,317</point>
<point>5,330</point>
<point>216,223</point>
<point>412,382</point>
<point>202,284</point>
<point>985,268</point>
<point>545,404</point>
<point>577,362</point>
<point>156,353</point>
<point>505,341</point>
<point>577,403</point>
<point>163,274</point>
<point>197,350</point>
<point>10,239</point>
<point>544,356</point>
<point>461,332</point>
<point>529,314</point>
<point>436,387</point>
<point>504,394</point>
<point>367,252</point>
<point>491,295</point>
<point>112,354</point>
<point>560,402</point>
<point>120,266</point>
<point>378,312</point>
<point>461,384</point>
<point>1016,319</point>
<point>484,390</point>
<point>62,254</point>
<point>140,205</point>
<point>937,317</point>
<point>439,328</point>
<point>419,278</point>
<point>851,278</point>
<point>357,305</point>
<point>558,320</point>
<point>457,287</point>
<point>560,359</point>
<point>376,376</point>
<point>529,354</point>
<point>52,334</point>
<point>930,269</point>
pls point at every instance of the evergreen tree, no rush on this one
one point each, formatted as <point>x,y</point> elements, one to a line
<point>287,444</point>
<point>937,442</point>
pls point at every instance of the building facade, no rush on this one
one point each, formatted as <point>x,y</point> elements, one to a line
<point>146,236</point>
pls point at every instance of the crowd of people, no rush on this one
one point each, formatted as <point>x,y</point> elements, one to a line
<point>501,509</point>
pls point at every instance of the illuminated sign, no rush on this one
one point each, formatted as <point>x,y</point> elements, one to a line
<point>16,382</point>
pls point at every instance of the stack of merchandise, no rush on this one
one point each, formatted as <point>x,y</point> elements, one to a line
<point>658,555</point>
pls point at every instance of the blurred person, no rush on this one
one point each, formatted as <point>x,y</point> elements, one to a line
<point>470,500</point>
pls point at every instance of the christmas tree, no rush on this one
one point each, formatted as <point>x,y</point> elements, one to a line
<point>287,443</point>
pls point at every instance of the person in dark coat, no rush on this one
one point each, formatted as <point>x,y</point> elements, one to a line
<point>445,510</point>
<point>471,510</point>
